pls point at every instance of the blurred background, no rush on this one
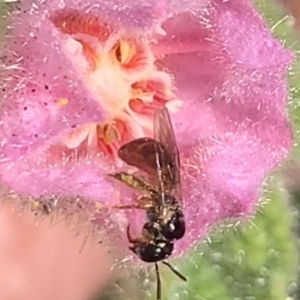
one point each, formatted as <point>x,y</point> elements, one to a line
<point>255,260</point>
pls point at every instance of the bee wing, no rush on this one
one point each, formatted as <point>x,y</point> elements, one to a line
<point>141,153</point>
<point>158,157</point>
<point>167,154</point>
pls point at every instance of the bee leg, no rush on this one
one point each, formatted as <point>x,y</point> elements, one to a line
<point>137,241</point>
<point>129,236</point>
<point>141,203</point>
<point>132,181</point>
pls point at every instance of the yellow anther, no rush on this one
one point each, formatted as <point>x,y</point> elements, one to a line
<point>110,134</point>
<point>125,52</point>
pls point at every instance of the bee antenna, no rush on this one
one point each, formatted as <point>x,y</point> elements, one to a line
<point>158,289</point>
<point>174,271</point>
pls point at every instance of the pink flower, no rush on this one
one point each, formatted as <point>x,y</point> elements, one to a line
<point>82,78</point>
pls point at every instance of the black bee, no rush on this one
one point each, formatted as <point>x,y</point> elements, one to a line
<point>161,198</point>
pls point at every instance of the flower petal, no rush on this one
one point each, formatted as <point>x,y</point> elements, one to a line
<point>218,70</point>
<point>223,177</point>
<point>34,87</point>
<point>65,173</point>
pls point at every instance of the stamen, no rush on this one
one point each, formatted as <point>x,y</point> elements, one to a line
<point>121,73</point>
<point>111,136</point>
<point>108,133</point>
<point>125,52</point>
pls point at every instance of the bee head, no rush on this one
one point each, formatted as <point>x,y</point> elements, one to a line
<point>152,246</point>
<point>174,228</point>
<point>153,251</point>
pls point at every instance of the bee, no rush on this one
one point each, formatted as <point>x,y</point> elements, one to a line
<point>161,198</point>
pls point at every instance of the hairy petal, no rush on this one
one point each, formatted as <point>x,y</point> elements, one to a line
<point>219,70</point>
<point>34,86</point>
<point>64,174</point>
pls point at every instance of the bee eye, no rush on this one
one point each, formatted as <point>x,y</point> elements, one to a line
<point>175,228</point>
